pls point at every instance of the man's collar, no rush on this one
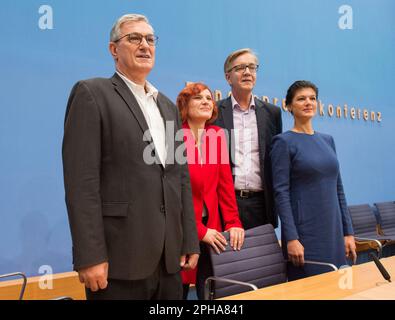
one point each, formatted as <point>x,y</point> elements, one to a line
<point>147,89</point>
<point>235,103</point>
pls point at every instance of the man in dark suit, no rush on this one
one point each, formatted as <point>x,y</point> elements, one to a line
<point>251,124</point>
<point>130,208</point>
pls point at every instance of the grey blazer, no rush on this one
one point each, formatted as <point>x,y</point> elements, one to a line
<point>121,209</point>
<point>269,124</point>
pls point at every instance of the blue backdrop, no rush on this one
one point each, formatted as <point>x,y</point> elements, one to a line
<point>302,39</point>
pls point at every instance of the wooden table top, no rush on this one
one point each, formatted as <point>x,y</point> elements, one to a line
<point>328,286</point>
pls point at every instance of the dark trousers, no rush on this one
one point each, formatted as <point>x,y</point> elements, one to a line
<point>159,286</point>
<point>204,270</point>
<point>252,210</point>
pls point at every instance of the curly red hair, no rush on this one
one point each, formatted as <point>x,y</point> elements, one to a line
<point>190,90</point>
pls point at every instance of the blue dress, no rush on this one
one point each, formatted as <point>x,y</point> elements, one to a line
<point>310,199</point>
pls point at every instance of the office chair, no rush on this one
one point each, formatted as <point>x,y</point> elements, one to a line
<point>366,228</point>
<point>259,264</point>
<point>386,212</point>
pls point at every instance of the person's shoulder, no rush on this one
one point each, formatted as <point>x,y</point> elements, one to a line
<point>324,136</point>
<point>91,86</point>
<point>282,141</point>
<point>268,106</point>
<point>165,99</point>
<point>93,83</point>
<point>327,138</point>
<point>96,80</point>
<point>224,102</point>
<point>282,137</point>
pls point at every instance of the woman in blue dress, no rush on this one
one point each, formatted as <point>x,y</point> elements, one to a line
<point>309,196</point>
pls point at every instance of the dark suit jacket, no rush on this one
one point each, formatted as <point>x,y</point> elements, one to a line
<point>269,123</point>
<point>121,209</point>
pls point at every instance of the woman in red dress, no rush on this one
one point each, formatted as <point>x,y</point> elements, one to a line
<point>213,193</point>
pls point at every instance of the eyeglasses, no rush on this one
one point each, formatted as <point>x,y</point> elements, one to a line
<point>243,67</point>
<point>137,38</point>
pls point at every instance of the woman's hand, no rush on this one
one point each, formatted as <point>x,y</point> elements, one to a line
<point>236,236</point>
<point>349,245</point>
<point>215,239</point>
<point>295,253</point>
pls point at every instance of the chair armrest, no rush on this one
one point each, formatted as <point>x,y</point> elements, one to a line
<point>208,292</point>
<point>15,274</point>
<point>330,265</point>
<point>379,245</point>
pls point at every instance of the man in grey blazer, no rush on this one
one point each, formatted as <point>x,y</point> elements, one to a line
<point>251,124</point>
<point>129,205</point>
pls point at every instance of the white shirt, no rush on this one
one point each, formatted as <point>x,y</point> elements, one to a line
<point>146,97</point>
<point>247,164</point>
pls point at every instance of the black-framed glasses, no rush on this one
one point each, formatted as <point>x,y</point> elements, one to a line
<point>243,67</point>
<point>137,38</point>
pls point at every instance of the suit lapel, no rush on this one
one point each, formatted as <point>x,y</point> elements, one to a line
<point>228,124</point>
<point>263,123</point>
<point>164,110</point>
<point>227,113</point>
<point>168,119</point>
<point>123,90</point>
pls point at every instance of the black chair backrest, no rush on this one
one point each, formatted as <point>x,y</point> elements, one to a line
<point>387,214</point>
<point>260,262</point>
<point>363,219</point>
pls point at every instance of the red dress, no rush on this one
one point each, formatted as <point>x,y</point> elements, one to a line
<point>212,184</point>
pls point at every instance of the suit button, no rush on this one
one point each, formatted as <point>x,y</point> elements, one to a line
<point>163,209</point>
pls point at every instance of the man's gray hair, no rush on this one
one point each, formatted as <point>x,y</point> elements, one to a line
<point>116,28</point>
<point>232,57</point>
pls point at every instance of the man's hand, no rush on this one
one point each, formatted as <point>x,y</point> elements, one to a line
<point>295,253</point>
<point>94,277</point>
<point>190,261</point>
<point>350,247</point>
